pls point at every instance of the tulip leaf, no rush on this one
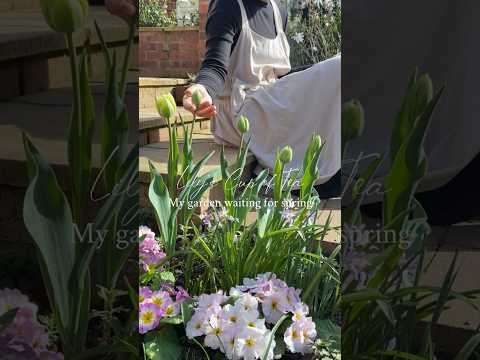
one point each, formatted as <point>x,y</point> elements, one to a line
<point>48,219</point>
<point>114,130</point>
<point>80,139</point>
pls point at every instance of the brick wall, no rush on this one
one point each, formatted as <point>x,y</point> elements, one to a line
<point>173,52</point>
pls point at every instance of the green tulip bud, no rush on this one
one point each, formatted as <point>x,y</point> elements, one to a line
<point>286,154</point>
<point>197,98</point>
<point>65,16</point>
<point>352,120</point>
<point>166,106</point>
<point>316,143</point>
<point>424,93</point>
<point>243,125</point>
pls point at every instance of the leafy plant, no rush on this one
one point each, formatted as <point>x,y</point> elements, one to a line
<point>382,307</point>
<point>54,220</point>
<point>155,13</point>
<point>314,32</point>
<point>224,248</point>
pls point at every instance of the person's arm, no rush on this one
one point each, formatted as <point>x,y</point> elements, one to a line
<point>223,24</point>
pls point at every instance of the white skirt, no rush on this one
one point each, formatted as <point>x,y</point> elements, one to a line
<point>288,112</point>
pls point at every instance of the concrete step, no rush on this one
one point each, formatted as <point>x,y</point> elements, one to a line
<point>203,144</point>
<point>151,88</point>
<point>152,126</point>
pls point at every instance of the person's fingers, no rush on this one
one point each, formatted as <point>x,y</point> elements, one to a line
<point>188,104</point>
<point>205,104</point>
<point>208,112</point>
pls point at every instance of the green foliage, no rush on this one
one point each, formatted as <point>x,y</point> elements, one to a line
<point>381,314</point>
<point>163,344</point>
<point>314,33</point>
<point>66,244</point>
<point>155,13</point>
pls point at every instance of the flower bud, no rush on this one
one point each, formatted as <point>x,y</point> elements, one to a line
<point>166,106</point>
<point>65,16</point>
<point>197,98</point>
<point>286,154</point>
<point>352,120</point>
<point>424,93</point>
<point>243,124</point>
<point>316,143</point>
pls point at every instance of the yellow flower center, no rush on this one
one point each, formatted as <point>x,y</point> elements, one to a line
<point>147,317</point>
<point>295,334</point>
<point>157,301</point>
<point>274,304</point>
<point>217,331</point>
<point>249,342</point>
<point>169,310</point>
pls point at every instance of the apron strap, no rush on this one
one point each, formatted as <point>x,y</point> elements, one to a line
<point>278,17</point>
<point>243,12</point>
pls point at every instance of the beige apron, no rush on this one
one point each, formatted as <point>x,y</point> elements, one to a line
<point>441,38</point>
<point>281,112</point>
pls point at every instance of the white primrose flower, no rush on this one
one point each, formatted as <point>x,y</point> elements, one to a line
<point>247,305</point>
<point>300,336</point>
<point>254,324</point>
<point>235,291</point>
<point>231,315</point>
<point>292,296</point>
<point>228,340</point>
<point>206,302</point>
<point>300,312</point>
<point>251,344</point>
<point>274,307</point>
<point>197,324</point>
<point>215,328</point>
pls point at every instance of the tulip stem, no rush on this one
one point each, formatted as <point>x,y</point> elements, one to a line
<point>193,125</point>
<point>76,120</point>
<point>241,147</point>
<point>126,62</point>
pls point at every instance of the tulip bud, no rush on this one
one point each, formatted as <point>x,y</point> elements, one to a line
<point>352,120</point>
<point>243,124</point>
<point>166,106</point>
<point>65,16</point>
<point>286,154</point>
<point>316,143</point>
<point>197,98</point>
<point>424,93</point>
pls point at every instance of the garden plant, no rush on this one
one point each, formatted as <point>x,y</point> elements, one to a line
<point>94,315</point>
<point>217,260</point>
<point>386,312</point>
<point>314,31</point>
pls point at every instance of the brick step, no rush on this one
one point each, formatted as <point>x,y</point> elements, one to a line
<point>151,88</point>
<point>202,145</point>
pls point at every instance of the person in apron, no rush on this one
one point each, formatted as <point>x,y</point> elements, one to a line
<point>283,108</point>
<point>382,44</point>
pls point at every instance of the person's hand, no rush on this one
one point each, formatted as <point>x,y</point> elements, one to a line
<point>123,8</point>
<point>206,108</point>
